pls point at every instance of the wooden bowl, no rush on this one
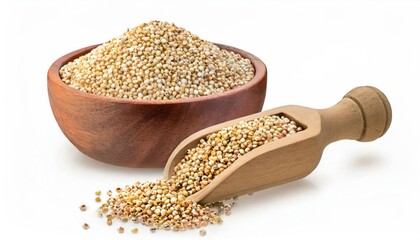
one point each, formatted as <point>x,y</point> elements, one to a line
<point>140,133</point>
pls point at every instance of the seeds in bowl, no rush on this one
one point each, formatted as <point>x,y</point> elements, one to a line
<point>164,204</point>
<point>157,61</point>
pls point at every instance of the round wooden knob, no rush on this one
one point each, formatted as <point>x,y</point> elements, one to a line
<point>376,111</point>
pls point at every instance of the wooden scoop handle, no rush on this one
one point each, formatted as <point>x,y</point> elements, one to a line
<point>364,114</point>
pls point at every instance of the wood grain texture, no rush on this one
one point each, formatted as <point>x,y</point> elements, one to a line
<point>139,133</point>
<point>364,114</point>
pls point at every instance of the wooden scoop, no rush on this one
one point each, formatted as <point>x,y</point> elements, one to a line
<point>364,114</point>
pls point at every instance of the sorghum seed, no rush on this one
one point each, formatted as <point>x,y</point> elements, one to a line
<point>109,193</point>
<point>131,65</point>
<point>85,226</point>
<point>218,219</point>
<point>121,230</point>
<point>164,204</point>
<point>83,207</point>
<point>109,222</point>
<point>98,193</point>
<point>135,230</point>
<point>203,232</point>
<point>97,199</point>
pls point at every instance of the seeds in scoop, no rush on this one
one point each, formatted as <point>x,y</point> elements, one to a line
<point>203,232</point>
<point>83,207</point>
<point>157,61</point>
<point>221,149</point>
<point>85,226</point>
<point>121,230</point>
<point>165,203</point>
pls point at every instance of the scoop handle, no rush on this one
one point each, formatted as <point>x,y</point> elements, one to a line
<point>364,114</point>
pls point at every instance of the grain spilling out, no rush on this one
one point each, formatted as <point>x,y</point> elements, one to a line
<point>157,61</point>
<point>164,204</point>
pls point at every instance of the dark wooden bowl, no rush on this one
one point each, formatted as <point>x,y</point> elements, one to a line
<point>139,133</point>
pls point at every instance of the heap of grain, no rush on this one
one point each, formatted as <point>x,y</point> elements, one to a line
<point>157,61</point>
<point>164,204</point>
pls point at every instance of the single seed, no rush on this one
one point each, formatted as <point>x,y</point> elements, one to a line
<point>83,207</point>
<point>97,199</point>
<point>121,230</point>
<point>135,230</point>
<point>98,193</point>
<point>218,219</point>
<point>109,222</point>
<point>100,213</point>
<point>203,232</point>
<point>153,229</point>
<point>85,226</point>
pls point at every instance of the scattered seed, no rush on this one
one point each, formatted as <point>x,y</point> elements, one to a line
<point>218,219</point>
<point>164,204</point>
<point>100,213</point>
<point>121,230</point>
<point>85,226</point>
<point>98,193</point>
<point>83,207</point>
<point>203,232</point>
<point>135,230</point>
<point>109,222</point>
<point>97,199</point>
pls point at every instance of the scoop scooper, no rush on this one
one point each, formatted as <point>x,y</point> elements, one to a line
<point>364,114</point>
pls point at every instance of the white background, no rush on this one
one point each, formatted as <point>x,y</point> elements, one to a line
<point>315,52</point>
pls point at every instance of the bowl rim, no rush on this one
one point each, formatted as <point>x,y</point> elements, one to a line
<point>259,67</point>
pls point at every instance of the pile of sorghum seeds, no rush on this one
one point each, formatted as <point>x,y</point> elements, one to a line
<point>164,204</point>
<point>157,61</point>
